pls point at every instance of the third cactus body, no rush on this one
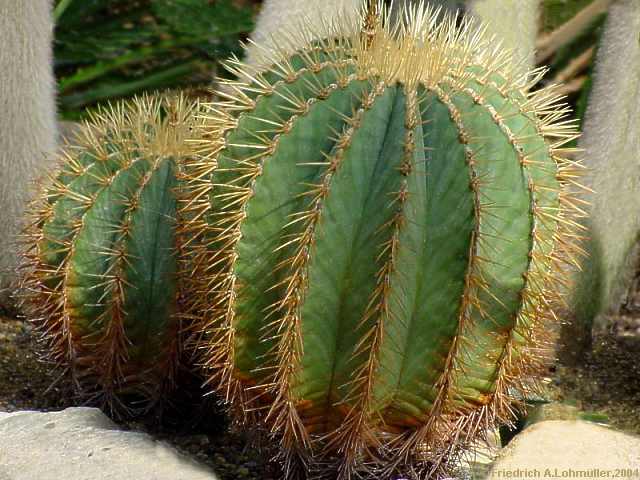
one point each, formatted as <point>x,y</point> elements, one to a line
<point>385,218</point>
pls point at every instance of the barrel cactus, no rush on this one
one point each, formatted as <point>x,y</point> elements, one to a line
<point>383,226</point>
<point>101,254</point>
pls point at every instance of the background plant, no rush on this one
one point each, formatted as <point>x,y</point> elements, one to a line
<point>612,144</point>
<point>110,49</point>
<point>28,126</point>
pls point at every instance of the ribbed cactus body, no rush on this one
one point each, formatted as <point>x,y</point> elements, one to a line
<point>102,258</point>
<point>385,219</point>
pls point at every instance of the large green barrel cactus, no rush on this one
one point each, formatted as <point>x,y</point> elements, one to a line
<point>100,277</point>
<point>386,217</point>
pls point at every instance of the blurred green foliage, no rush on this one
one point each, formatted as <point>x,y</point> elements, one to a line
<point>557,12</point>
<point>109,49</point>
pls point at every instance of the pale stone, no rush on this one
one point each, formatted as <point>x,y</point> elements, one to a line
<point>83,444</point>
<point>569,449</point>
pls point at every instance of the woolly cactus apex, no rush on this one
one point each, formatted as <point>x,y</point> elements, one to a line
<point>101,253</point>
<point>28,120</point>
<point>386,220</point>
<point>515,25</point>
<point>611,143</point>
<point>278,14</point>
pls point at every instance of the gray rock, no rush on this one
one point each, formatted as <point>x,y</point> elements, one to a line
<point>569,449</point>
<point>477,463</point>
<point>83,444</point>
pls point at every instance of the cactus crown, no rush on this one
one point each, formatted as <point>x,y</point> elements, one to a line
<point>383,225</point>
<point>101,253</point>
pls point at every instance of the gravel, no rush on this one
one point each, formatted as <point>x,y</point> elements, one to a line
<point>197,430</point>
<point>607,383</point>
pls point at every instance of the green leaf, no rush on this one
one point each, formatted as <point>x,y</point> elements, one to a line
<point>108,49</point>
<point>202,17</point>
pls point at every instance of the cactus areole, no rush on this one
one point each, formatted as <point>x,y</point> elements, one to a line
<point>101,254</point>
<point>384,220</point>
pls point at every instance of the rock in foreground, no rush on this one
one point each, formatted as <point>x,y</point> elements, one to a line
<point>569,449</point>
<point>83,444</point>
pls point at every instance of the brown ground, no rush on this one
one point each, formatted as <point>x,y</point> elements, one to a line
<point>607,383</point>
<point>28,384</point>
<point>609,380</point>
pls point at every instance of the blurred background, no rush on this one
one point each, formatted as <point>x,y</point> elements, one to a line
<point>112,49</point>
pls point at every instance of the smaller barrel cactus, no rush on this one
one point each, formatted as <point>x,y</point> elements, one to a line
<point>385,217</point>
<point>101,254</point>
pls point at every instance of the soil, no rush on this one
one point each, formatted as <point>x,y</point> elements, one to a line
<point>26,383</point>
<point>607,384</point>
